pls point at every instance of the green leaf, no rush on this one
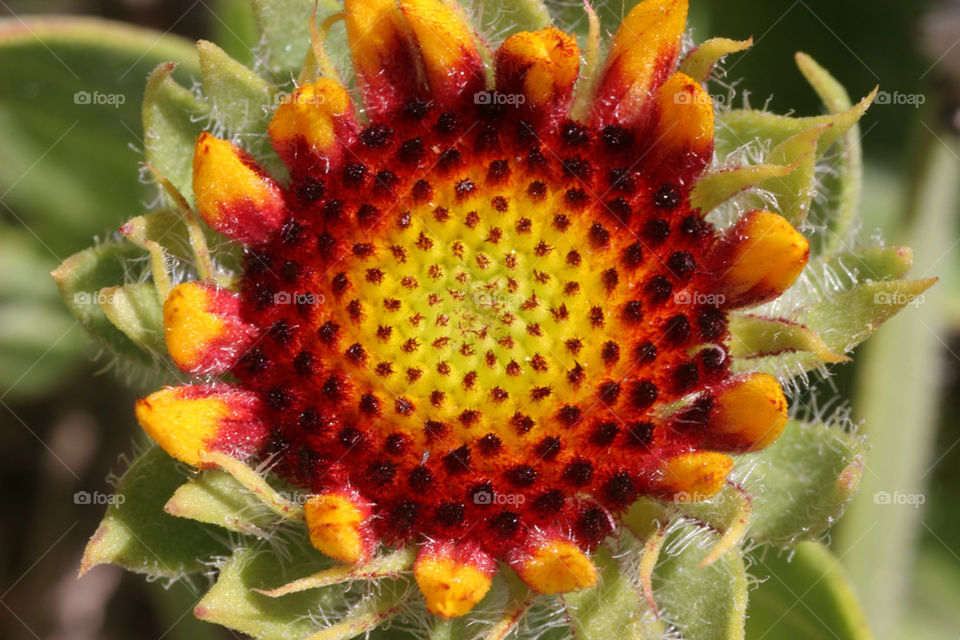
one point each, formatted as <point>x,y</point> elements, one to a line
<point>614,608</point>
<point>285,31</point>
<point>706,603</point>
<point>81,278</point>
<point>135,309</point>
<point>802,482</point>
<point>137,535</point>
<point>806,597</point>
<point>239,97</point>
<point>235,29</point>
<point>172,119</point>
<point>70,112</point>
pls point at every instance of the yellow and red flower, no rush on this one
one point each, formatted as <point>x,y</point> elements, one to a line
<point>469,321</point>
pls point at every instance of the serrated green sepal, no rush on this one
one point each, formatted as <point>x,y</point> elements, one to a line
<point>701,60</point>
<point>215,497</point>
<point>173,117</point>
<point>135,309</point>
<point>81,278</point>
<point>137,535</point>
<point>801,483</point>
<point>614,608</point>
<point>240,99</point>
<point>706,603</point>
<point>754,336</point>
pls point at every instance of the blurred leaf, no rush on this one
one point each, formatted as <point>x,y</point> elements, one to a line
<point>897,398</point>
<point>801,483</point>
<point>808,597</point>
<point>285,29</point>
<point>234,28</point>
<point>69,111</point>
<point>136,533</point>
<point>39,340</point>
<point>705,603</point>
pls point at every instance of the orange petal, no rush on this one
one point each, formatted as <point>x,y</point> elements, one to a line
<point>684,129</point>
<point>453,579</point>
<point>450,58</point>
<point>537,71</point>
<point>203,329</point>
<point>383,56</point>
<point>554,565</point>
<point>748,414</point>
<point>338,525</point>
<point>758,259</point>
<point>644,52</point>
<point>192,420</point>
<point>313,123</point>
<point>693,476</point>
<point>233,195</point>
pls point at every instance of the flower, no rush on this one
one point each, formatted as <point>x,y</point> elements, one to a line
<point>511,324</point>
<point>469,321</point>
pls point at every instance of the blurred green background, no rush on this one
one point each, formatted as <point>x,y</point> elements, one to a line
<point>69,173</point>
